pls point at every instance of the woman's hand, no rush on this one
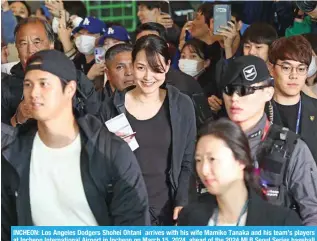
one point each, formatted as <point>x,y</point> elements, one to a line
<point>176,212</point>
<point>126,137</point>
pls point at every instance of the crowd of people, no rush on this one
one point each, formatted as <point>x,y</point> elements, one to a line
<point>226,123</point>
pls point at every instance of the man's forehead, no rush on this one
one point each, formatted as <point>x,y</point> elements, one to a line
<point>147,32</point>
<point>35,29</point>
<point>123,56</point>
<point>290,62</point>
<point>36,74</point>
<point>142,6</point>
<point>110,40</point>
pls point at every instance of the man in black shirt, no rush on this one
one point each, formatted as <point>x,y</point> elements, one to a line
<point>290,58</point>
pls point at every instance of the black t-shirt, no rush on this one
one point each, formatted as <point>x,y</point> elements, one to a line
<point>288,115</point>
<point>154,156</point>
<point>81,63</point>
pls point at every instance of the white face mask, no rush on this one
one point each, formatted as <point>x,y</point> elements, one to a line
<point>190,67</point>
<point>85,44</point>
<point>76,21</point>
<point>55,24</point>
<point>312,69</point>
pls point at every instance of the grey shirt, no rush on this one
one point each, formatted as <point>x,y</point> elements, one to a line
<point>301,175</point>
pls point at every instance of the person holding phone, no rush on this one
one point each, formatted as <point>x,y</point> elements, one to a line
<point>164,121</point>
<point>86,35</point>
<point>154,12</point>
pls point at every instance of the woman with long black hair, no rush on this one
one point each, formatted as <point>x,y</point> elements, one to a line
<point>164,121</point>
<point>234,198</point>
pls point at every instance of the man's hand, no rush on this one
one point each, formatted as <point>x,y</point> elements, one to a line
<point>5,5</point>
<point>23,114</point>
<point>64,33</point>
<point>187,27</point>
<point>96,70</point>
<point>176,212</point>
<point>215,103</point>
<point>165,20</point>
<point>55,7</point>
<point>229,34</point>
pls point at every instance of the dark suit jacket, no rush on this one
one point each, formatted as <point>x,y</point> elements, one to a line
<point>260,213</point>
<point>308,122</point>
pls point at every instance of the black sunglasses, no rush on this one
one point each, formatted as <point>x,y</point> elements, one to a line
<point>242,90</point>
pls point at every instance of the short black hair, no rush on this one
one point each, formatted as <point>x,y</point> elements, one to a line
<point>198,46</point>
<point>237,11</point>
<point>207,9</point>
<point>150,4</point>
<point>152,26</point>
<point>24,3</point>
<point>31,20</point>
<point>260,33</point>
<point>116,49</point>
<point>76,8</point>
<point>153,46</point>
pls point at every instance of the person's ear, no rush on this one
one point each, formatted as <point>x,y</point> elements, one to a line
<point>269,92</point>
<point>168,66</point>
<point>242,166</point>
<point>206,63</point>
<point>271,69</point>
<point>211,25</point>
<point>239,25</point>
<point>107,73</point>
<point>70,88</point>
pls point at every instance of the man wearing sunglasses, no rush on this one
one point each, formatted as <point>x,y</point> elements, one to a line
<point>290,58</point>
<point>288,175</point>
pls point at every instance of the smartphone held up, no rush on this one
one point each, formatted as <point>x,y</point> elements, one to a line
<point>222,15</point>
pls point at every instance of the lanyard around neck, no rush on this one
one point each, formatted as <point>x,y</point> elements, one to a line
<point>244,209</point>
<point>298,115</point>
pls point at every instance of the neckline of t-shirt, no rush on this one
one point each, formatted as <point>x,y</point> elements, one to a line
<point>153,117</point>
<point>73,145</point>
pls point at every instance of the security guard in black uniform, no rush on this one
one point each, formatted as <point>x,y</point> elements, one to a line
<point>285,165</point>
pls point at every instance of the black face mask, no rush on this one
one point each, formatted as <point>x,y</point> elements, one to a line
<point>242,90</point>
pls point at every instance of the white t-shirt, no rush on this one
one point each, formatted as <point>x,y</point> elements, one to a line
<point>57,194</point>
<point>243,221</point>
